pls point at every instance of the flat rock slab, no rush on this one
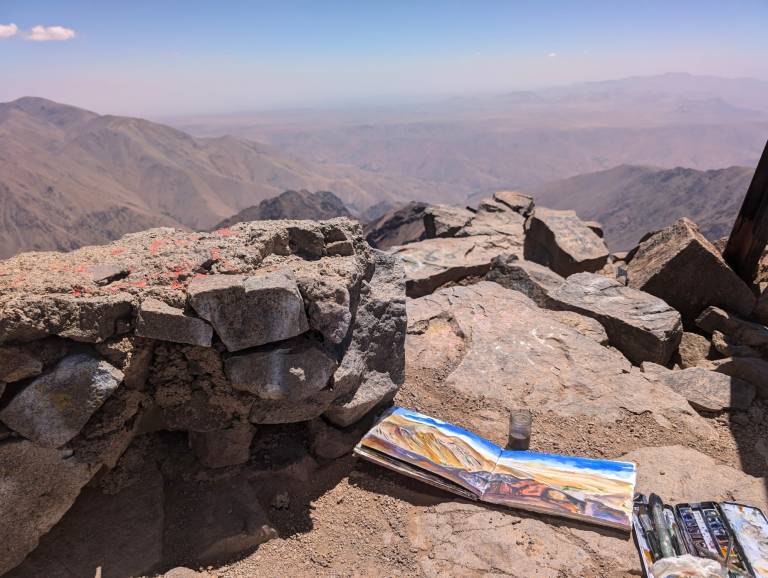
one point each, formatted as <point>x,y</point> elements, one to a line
<point>457,538</point>
<point>531,279</point>
<point>247,311</point>
<point>54,407</point>
<point>37,486</point>
<point>709,390</point>
<point>641,326</point>
<point>564,243</point>
<point>485,341</point>
<point>683,268</point>
<point>291,370</point>
<point>158,320</point>
<point>435,262</point>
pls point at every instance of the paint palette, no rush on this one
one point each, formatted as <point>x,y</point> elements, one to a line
<point>719,531</point>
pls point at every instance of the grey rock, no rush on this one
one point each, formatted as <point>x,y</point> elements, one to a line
<point>518,202</point>
<point>330,443</point>
<point>531,279</point>
<point>376,389</point>
<point>16,364</point>
<point>750,369</point>
<point>445,220</point>
<point>737,330</point>
<point>222,448</point>
<point>432,263</point>
<point>291,370</point>
<point>709,390</point>
<point>81,318</point>
<point>267,411</point>
<point>564,243</point>
<point>680,266</point>
<point>641,326</point>
<point>375,358</point>
<point>247,311</point>
<point>398,227</point>
<point>494,218</point>
<point>37,486</point>
<point>55,406</point>
<point>158,320</point>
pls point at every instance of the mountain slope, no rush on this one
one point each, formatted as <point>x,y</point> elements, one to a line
<point>70,177</point>
<point>632,200</point>
<point>292,205</point>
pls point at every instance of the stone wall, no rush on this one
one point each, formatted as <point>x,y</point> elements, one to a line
<point>213,334</point>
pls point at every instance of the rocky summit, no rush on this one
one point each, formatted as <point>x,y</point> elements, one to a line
<point>187,403</point>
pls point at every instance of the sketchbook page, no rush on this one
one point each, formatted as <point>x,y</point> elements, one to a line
<point>597,491</point>
<point>436,446</point>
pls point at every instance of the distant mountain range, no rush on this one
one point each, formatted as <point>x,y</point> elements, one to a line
<point>630,200</point>
<point>292,205</point>
<point>70,177</point>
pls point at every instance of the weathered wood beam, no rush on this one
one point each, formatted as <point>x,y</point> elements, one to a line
<point>750,232</point>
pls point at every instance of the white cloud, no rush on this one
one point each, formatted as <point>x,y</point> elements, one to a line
<point>8,30</point>
<point>552,54</point>
<point>46,33</point>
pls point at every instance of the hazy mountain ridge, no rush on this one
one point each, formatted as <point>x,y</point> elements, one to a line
<point>302,204</point>
<point>61,166</point>
<point>632,200</point>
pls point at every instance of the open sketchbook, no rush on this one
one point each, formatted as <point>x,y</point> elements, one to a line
<point>446,456</point>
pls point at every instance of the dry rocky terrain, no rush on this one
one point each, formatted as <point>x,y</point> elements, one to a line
<point>508,306</point>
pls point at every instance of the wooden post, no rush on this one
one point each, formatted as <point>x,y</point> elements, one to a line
<point>750,232</point>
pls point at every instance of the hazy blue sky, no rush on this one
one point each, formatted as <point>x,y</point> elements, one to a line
<point>167,57</point>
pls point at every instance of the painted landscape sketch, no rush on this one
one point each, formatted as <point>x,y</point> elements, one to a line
<point>597,491</point>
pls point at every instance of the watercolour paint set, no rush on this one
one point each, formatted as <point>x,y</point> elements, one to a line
<point>735,535</point>
<point>588,490</point>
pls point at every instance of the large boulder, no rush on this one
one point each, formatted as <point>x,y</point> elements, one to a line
<point>680,266</point>
<point>486,346</point>
<point>54,407</point>
<point>564,243</point>
<point>37,486</point>
<point>641,326</point>
<point>531,279</point>
<point>432,263</point>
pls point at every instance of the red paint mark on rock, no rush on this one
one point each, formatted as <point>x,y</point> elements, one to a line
<point>155,245</point>
<point>117,251</point>
<point>225,233</point>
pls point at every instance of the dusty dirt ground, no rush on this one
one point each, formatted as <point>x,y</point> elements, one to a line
<point>357,519</point>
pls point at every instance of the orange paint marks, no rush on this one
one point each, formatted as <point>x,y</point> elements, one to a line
<point>155,245</point>
<point>225,233</point>
<point>141,283</point>
<point>117,251</point>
